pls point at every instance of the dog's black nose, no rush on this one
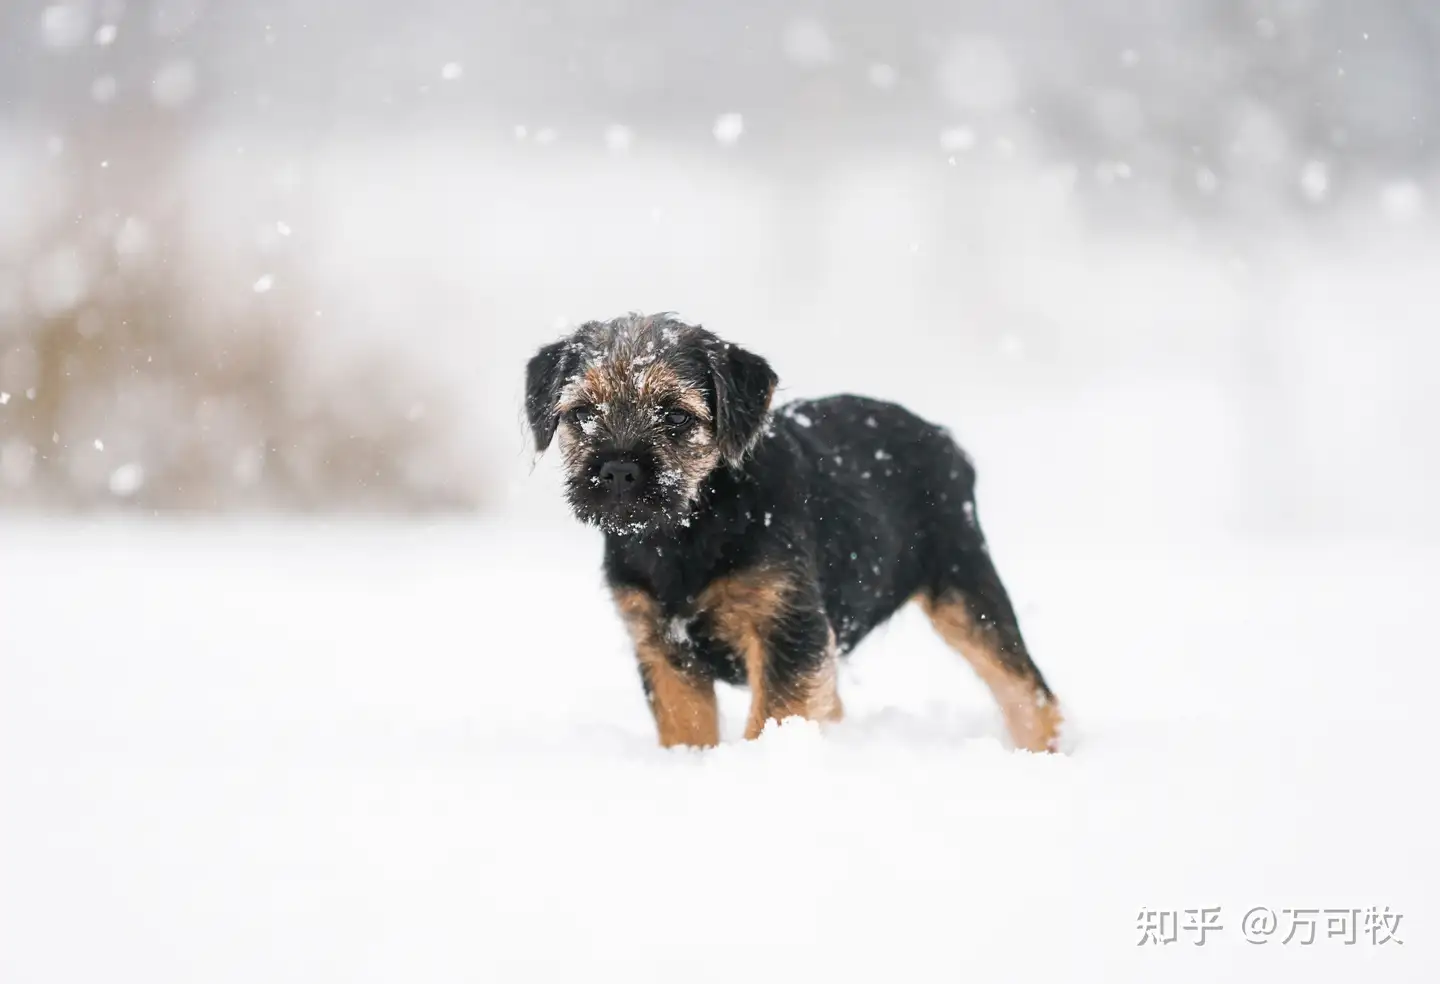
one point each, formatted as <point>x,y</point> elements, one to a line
<point>620,477</point>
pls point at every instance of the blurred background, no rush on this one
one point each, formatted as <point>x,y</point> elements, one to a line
<point>1159,265</point>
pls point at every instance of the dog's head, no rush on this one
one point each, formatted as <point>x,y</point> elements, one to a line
<point>645,408</point>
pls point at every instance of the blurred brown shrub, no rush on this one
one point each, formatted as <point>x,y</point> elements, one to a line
<point>125,384</point>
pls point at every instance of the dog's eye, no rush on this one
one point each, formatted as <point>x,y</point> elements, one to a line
<point>581,415</point>
<point>676,418</point>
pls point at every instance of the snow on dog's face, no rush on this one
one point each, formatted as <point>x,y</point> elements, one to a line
<point>646,408</point>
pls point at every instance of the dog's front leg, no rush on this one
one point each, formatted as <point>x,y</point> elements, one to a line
<point>682,702</point>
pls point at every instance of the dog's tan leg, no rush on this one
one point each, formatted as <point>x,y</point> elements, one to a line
<point>683,703</point>
<point>788,650</point>
<point>811,695</point>
<point>824,702</point>
<point>1032,715</point>
<point>684,708</point>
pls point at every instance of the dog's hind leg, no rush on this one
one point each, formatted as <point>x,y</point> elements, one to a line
<point>791,678</point>
<point>773,621</point>
<point>971,610</point>
<point>787,680</point>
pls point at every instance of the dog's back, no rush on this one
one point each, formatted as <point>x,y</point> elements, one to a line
<point>891,496</point>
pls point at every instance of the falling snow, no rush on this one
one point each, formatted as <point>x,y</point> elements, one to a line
<point>728,128</point>
<point>957,138</point>
<point>808,44</point>
<point>65,25</point>
<point>1402,201</point>
<point>1315,180</point>
<point>127,479</point>
<point>882,76</point>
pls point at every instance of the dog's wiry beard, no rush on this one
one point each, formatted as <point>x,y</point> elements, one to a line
<point>676,474</point>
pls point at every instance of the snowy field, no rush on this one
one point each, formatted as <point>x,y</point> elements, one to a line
<point>380,753</point>
<point>1183,317</point>
<point>346,752</point>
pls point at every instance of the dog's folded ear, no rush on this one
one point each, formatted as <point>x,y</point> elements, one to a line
<point>544,378</point>
<point>743,384</point>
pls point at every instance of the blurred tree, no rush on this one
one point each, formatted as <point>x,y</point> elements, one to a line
<point>140,380</point>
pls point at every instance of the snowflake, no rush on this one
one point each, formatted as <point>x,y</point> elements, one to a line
<point>728,128</point>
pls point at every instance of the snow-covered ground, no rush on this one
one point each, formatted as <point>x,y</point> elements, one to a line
<point>419,753</point>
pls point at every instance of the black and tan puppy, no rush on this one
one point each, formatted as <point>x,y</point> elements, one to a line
<point>758,548</point>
